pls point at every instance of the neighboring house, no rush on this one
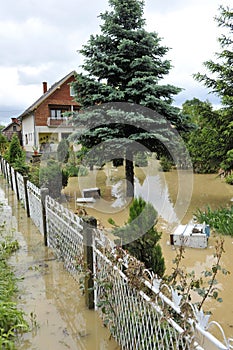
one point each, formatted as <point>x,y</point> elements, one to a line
<point>43,123</point>
<point>13,128</point>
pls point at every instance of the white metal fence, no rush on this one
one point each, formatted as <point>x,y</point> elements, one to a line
<point>140,317</point>
<point>35,205</point>
<point>145,318</point>
<point>64,233</point>
<point>21,189</point>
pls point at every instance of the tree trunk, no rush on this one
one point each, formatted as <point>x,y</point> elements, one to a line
<point>129,173</point>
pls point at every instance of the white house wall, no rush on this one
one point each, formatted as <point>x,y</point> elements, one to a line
<point>58,130</point>
<point>31,134</point>
<point>28,133</point>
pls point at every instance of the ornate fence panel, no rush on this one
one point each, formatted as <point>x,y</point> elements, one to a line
<point>64,234</point>
<point>34,198</point>
<point>21,189</point>
<point>140,316</point>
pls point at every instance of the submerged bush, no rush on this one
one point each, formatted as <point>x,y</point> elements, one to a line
<point>220,219</point>
<point>144,237</point>
<point>165,164</point>
<point>229,179</point>
<point>76,170</point>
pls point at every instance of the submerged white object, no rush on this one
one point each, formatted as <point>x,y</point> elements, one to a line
<point>86,200</point>
<point>191,235</point>
<point>91,192</point>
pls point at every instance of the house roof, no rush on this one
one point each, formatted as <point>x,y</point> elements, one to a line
<point>52,89</point>
<point>16,122</point>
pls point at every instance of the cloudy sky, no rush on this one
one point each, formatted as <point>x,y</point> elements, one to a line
<point>39,42</point>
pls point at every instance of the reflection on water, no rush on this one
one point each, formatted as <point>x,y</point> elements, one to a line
<point>155,191</point>
<point>118,192</point>
<point>52,297</point>
<point>150,184</point>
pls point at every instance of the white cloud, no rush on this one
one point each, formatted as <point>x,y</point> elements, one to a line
<point>40,39</point>
<point>13,90</point>
<point>189,30</point>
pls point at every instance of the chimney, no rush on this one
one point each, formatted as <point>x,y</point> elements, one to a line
<point>14,120</point>
<point>45,88</point>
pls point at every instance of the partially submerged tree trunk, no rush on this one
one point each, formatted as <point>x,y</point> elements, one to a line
<point>129,173</point>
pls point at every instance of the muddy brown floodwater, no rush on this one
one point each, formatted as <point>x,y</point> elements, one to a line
<point>49,296</point>
<point>161,189</point>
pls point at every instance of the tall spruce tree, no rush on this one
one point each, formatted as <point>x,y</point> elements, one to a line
<point>125,64</point>
<point>220,80</point>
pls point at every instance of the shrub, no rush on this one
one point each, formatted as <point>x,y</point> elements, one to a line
<point>20,165</point>
<point>34,175</point>
<point>229,179</point>
<point>143,235</point>
<point>63,151</point>
<point>76,170</point>
<point>3,143</point>
<point>165,164</point>
<point>220,219</point>
<point>53,177</point>
<point>16,156</point>
<point>15,150</point>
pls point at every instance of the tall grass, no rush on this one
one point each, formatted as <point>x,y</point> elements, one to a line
<point>221,220</point>
<point>11,319</point>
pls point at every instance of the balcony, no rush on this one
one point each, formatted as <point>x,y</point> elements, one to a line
<point>63,122</point>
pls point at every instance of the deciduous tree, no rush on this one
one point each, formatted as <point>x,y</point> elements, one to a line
<point>220,79</point>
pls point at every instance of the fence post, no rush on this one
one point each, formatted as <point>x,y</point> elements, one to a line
<point>25,179</point>
<point>7,175</point>
<point>89,224</point>
<point>16,185</point>
<point>44,192</point>
<point>11,180</point>
<point>3,168</point>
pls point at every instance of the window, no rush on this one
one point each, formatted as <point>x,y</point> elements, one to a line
<point>56,112</point>
<point>14,128</point>
<point>72,92</point>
